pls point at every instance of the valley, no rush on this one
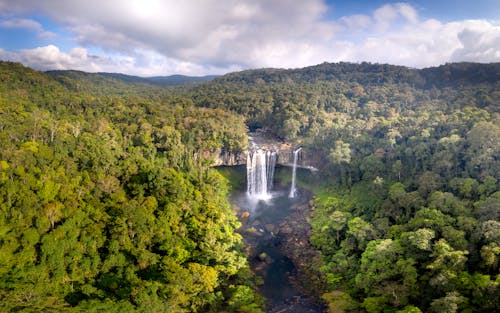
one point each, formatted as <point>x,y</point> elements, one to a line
<point>340,187</point>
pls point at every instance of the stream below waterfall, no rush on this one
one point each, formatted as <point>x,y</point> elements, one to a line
<point>265,242</point>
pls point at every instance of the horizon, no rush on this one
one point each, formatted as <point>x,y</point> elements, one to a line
<point>163,38</point>
<point>249,69</point>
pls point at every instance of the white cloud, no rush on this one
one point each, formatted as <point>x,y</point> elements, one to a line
<point>408,12</point>
<point>480,42</point>
<point>27,24</point>
<point>50,57</point>
<point>212,36</point>
<point>431,43</point>
<point>357,22</point>
<point>219,33</point>
<point>143,63</point>
<point>385,16</point>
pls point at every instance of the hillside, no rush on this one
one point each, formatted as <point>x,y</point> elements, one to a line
<point>106,201</point>
<point>407,209</point>
<point>109,202</point>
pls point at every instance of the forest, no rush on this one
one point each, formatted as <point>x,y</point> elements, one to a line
<point>109,202</point>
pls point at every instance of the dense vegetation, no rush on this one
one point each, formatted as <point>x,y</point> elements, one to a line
<point>108,201</point>
<point>409,217</point>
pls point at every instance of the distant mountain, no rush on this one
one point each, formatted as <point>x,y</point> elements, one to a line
<point>162,81</point>
<point>173,80</point>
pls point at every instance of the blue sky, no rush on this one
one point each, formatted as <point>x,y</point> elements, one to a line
<point>198,37</point>
<point>443,10</point>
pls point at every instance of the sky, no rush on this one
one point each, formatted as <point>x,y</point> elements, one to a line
<point>203,37</point>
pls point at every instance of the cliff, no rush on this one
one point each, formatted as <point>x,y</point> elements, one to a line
<point>265,141</point>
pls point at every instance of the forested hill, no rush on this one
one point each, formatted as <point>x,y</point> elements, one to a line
<point>408,208</point>
<point>298,101</point>
<point>116,80</point>
<point>374,74</point>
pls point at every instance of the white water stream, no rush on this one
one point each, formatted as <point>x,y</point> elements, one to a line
<point>293,189</point>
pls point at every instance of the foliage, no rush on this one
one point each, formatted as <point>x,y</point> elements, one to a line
<point>408,222</point>
<point>107,199</point>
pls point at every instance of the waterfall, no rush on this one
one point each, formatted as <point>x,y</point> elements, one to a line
<point>271,164</point>
<point>260,172</point>
<point>294,172</point>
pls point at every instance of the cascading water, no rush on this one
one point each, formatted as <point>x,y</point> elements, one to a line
<point>294,172</point>
<point>260,173</point>
<point>271,165</point>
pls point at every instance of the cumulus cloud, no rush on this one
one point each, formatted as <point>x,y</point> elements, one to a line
<point>215,36</point>
<point>479,41</point>
<point>50,57</point>
<point>143,63</point>
<point>396,34</point>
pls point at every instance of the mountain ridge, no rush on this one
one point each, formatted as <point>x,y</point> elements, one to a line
<point>162,81</point>
<point>449,74</point>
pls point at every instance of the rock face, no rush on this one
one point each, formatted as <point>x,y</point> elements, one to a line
<point>229,158</point>
<point>265,141</point>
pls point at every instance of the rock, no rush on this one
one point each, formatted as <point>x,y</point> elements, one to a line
<point>253,231</point>
<point>228,158</point>
<point>285,229</point>
<point>270,228</point>
<point>256,224</point>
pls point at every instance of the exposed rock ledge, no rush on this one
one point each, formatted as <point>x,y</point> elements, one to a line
<point>262,140</point>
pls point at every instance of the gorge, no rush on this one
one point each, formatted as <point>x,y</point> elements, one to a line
<point>267,215</point>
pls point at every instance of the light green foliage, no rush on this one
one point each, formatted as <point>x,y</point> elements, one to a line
<point>409,309</point>
<point>375,304</point>
<point>243,299</point>
<point>330,223</point>
<point>382,261</point>
<point>107,202</point>
<point>484,148</point>
<point>421,238</point>
<point>361,230</point>
<point>446,264</point>
<point>447,203</point>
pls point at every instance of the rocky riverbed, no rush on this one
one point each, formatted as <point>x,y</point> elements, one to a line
<point>276,234</point>
<point>294,233</point>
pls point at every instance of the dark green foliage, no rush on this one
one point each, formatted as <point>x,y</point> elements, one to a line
<point>413,157</point>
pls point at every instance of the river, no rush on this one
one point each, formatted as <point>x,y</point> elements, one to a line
<point>265,241</point>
